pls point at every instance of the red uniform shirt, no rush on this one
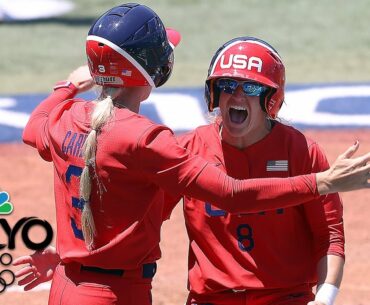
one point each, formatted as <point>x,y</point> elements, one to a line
<point>135,160</point>
<point>271,249</point>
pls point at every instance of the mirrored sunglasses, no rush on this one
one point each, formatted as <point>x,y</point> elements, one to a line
<point>229,86</point>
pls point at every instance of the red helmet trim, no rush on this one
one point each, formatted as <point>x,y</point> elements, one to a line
<point>125,55</point>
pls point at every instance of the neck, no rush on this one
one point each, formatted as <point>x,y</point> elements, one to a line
<point>130,97</point>
<point>133,106</point>
<point>248,139</point>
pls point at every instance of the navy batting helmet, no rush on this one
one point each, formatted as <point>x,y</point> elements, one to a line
<point>129,46</point>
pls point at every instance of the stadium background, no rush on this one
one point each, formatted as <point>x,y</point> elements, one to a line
<point>320,42</point>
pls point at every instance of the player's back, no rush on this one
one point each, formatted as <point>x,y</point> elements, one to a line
<point>126,204</point>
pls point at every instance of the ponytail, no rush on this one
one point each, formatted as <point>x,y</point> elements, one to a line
<point>102,113</point>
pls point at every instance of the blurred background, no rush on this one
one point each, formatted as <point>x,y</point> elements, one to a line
<point>319,41</point>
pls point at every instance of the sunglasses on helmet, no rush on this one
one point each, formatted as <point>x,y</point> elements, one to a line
<point>229,85</point>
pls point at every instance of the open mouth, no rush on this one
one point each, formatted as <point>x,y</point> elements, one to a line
<point>238,114</point>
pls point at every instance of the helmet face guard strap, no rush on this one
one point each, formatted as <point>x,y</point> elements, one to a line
<point>129,46</point>
<point>252,59</point>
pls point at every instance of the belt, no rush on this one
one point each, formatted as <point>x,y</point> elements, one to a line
<point>147,271</point>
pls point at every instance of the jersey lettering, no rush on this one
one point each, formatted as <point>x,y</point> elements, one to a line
<point>244,234</point>
<point>76,203</point>
<point>72,143</point>
<point>210,211</point>
<point>213,212</point>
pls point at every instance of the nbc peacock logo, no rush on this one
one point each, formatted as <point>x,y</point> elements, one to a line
<point>6,207</point>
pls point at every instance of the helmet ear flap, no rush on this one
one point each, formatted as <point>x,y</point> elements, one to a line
<point>267,103</point>
<point>163,74</point>
<point>212,94</point>
<point>265,98</point>
<point>207,96</point>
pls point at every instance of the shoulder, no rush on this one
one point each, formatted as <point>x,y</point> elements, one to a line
<point>147,128</point>
<point>139,129</point>
<point>302,139</point>
<point>65,108</point>
<point>303,147</point>
<point>201,134</point>
<point>295,138</point>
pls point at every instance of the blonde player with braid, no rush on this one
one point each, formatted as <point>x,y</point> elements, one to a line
<point>112,166</point>
<point>102,113</point>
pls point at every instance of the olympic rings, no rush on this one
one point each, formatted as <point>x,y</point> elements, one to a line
<point>10,259</point>
<point>3,283</point>
<point>12,275</point>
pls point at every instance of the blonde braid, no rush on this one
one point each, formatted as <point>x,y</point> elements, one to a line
<point>102,112</point>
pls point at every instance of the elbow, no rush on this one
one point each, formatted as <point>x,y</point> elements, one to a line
<point>28,137</point>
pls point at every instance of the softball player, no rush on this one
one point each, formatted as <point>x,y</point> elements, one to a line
<point>108,230</point>
<point>270,257</point>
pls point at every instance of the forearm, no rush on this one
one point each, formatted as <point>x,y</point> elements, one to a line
<point>252,195</point>
<point>330,270</point>
<point>330,273</point>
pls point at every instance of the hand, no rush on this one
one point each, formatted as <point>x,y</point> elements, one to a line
<point>81,78</point>
<point>39,267</point>
<point>345,174</point>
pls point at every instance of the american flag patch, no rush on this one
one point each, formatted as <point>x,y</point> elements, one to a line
<point>277,166</point>
<point>126,72</point>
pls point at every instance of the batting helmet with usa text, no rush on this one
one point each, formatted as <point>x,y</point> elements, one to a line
<point>253,59</point>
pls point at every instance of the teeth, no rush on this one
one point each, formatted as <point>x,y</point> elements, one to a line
<point>238,108</point>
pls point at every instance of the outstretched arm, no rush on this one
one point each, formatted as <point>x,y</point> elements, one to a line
<point>179,171</point>
<point>254,195</point>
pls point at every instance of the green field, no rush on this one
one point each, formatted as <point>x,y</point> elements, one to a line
<point>320,41</point>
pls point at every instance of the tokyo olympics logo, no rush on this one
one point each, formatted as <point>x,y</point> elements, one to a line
<point>7,276</point>
<point>21,228</point>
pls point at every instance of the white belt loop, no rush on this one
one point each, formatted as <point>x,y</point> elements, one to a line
<point>238,290</point>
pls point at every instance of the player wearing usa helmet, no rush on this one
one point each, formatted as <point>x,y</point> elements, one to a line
<point>112,165</point>
<point>269,257</point>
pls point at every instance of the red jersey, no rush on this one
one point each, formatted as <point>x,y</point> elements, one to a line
<point>270,249</point>
<point>136,160</point>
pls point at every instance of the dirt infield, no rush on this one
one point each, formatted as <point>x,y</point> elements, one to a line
<point>29,180</point>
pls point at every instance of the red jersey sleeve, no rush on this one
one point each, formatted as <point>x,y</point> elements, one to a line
<point>170,201</point>
<point>36,131</point>
<point>177,171</point>
<point>325,215</point>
